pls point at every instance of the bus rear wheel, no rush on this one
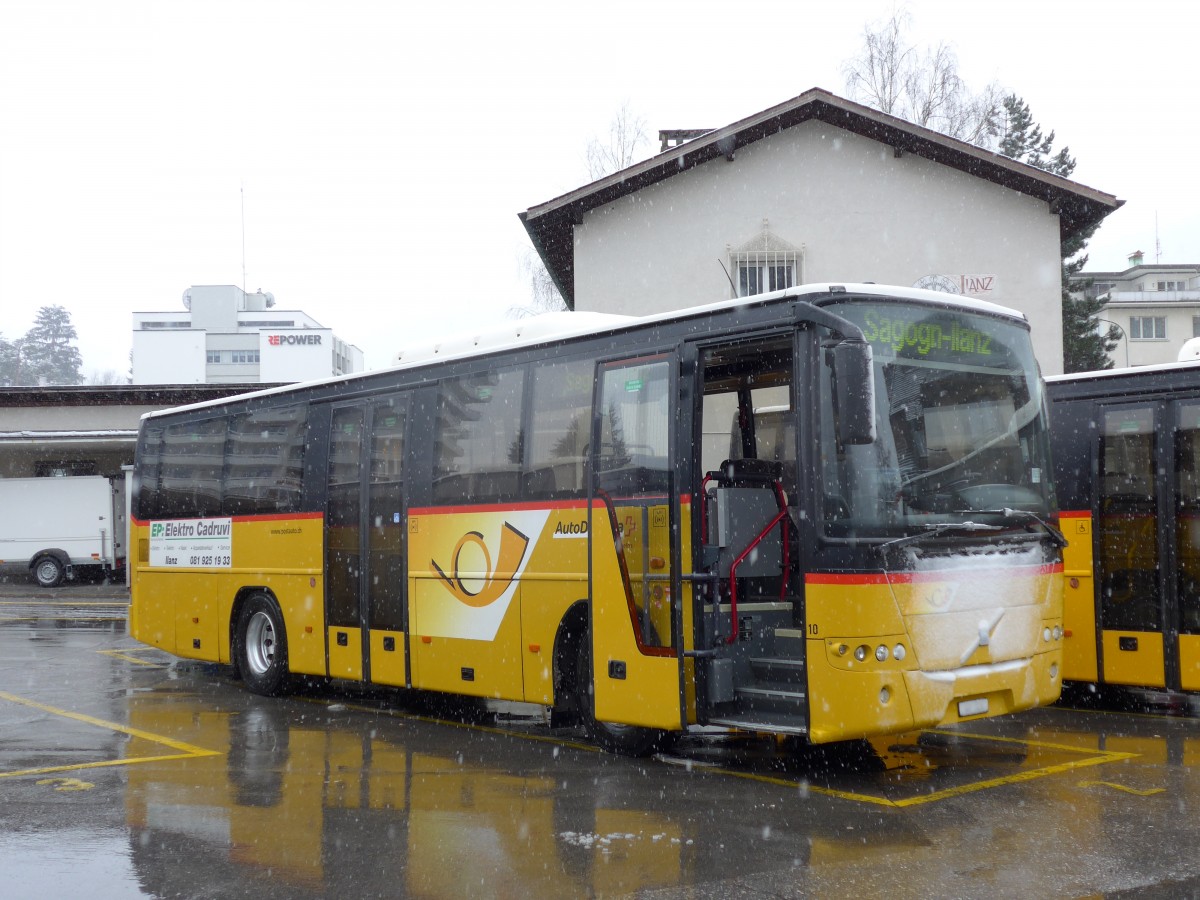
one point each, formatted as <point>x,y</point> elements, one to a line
<point>262,646</point>
<point>627,740</point>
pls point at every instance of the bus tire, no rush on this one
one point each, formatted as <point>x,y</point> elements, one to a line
<point>627,740</point>
<point>261,644</point>
<point>48,570</point>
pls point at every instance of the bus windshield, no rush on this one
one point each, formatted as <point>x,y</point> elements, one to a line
<point>960,422</point>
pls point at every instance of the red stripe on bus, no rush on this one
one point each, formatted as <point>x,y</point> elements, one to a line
<point>532,504</point>
<point>1075,514</point>
<point>859,578</point>
<point>499,507</point>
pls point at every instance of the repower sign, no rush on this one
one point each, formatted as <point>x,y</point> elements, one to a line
<point>192,543</point>
<point>294,340</point>
<point>301,354</point>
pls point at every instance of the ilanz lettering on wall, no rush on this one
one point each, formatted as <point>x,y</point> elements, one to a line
<point>977,284</point>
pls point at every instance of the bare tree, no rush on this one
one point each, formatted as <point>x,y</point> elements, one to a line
<point>924,87</point>
<point>626,136</point>
<point>105,377</point>
<point>543,294</point>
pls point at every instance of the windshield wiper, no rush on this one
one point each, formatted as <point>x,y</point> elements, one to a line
<point>1056,536</point>
<point>933,530</point>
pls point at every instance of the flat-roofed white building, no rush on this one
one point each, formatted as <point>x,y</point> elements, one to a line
<point>224,335</point>
<point>1155,306</point>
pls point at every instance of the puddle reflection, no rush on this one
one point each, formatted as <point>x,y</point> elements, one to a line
<point>328,799</point>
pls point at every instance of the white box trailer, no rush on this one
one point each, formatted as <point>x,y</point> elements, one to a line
<point>53,527</point>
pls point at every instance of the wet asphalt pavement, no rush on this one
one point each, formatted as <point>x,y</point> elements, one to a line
<point>127,773</point>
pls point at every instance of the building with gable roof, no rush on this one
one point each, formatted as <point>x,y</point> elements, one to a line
<point>817,189</point>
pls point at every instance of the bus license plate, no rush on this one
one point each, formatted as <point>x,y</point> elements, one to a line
<point>972,707</point>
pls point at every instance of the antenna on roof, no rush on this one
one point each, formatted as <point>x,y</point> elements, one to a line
<point>732,286</point>
<point>242,191</point>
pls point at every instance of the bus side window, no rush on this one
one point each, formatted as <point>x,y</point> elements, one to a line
<point>479,439</point>
<point>264,461</point>
<point>559,430</point>
<point>193,460</point>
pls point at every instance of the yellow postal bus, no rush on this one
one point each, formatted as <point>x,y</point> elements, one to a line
<point>818,512</point>
<point>1127,452</point>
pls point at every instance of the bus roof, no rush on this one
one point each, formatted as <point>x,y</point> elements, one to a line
<point>1097,375</point>
<point>556,327</point>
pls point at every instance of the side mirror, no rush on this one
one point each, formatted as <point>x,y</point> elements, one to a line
<point>854,391</point>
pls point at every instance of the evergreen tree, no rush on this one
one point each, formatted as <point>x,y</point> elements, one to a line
<point>9,360</point>
<point>48,356</point>
<point>1084,347</point>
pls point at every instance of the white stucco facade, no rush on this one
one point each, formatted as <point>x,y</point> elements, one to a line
<point>853,209</point>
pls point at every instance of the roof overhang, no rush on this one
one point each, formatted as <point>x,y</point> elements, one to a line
<point>551,225</point>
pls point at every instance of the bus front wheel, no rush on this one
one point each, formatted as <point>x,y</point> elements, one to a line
<point>627,740</point>
<point>262,646</point>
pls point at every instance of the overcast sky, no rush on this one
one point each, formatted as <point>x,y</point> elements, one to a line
<point>382,151</point>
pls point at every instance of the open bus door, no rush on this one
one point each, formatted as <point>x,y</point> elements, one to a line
<point>636,627</point>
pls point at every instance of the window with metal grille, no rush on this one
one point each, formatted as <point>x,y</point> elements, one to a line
<point>765,264</point>
<point>758,276</point>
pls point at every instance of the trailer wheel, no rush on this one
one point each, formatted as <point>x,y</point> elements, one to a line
<point>48,571</point>
<point>627,740</point>
<point>261,646</point>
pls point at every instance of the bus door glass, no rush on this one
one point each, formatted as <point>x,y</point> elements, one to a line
<point>1187,542</point>
<point>343,540</point>
<point>364,531</point>
<point>634,618</point>
<point>1128,553</point>
<point>385,576</point>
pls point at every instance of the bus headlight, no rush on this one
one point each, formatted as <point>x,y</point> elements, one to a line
<point>1046,635</point>
<point>1057,632</point>
<point>898,652</point>
<point>860,652</point>
<point>881,653</point>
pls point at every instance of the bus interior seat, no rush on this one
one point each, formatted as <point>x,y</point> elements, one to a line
<point>742,503</point>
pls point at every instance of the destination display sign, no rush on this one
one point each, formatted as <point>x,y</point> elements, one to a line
<point>914,332</point>
<point>192,543</point>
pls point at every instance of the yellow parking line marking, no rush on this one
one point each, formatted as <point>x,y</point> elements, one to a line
<point>64,602</point>
<point>1101,758</point>
<point>63,618</point>
<point>125,655</point>
<point>1120,787</point>
<point>186,751</point>
<point>67,784</point>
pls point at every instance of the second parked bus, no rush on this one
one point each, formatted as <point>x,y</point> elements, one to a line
<point>1127,452</point>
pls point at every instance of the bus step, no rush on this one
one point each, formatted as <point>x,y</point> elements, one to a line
<point>780,699</point>
<point>780,669</point>
<point>775,723</point>
<point>790,642</point>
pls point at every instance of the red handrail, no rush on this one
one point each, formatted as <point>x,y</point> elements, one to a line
<point>737,562</point>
